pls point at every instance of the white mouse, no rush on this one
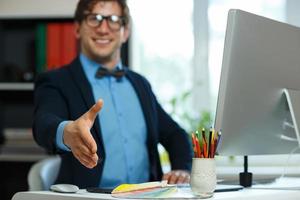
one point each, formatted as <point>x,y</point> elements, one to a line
<point>64,188</point>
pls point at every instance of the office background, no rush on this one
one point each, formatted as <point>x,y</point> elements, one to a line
<point>164,44</point>
<point>176,44</point>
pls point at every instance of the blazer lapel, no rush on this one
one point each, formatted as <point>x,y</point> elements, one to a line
<point>82,82</point>
<point>143,96</point>
<point>85,88</point>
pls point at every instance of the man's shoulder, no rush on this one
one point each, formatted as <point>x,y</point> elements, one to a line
<point>56,74</point>
<point>59,73</point>
<point>135,75</point>
<point>60,77</point>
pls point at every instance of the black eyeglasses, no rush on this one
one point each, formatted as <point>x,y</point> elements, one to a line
<point>114,22</point>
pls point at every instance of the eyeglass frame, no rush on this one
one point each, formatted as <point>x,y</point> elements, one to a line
<point>108,18</point>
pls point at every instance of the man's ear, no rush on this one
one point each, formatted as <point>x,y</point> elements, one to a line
<point>77,29</point>
<point>126,33</point>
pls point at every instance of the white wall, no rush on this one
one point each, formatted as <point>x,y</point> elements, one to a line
<point>293,12</point>
<point>37,8</point>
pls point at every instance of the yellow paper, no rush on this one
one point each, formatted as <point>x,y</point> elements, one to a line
<point>135,187</point>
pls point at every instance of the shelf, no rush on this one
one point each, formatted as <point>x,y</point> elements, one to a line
<point>23,155</point>
<point>14,94</point>
<point>17,86</point>
<point>20,146</point>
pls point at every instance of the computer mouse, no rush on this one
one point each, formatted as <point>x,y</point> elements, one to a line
<point>64,188</point>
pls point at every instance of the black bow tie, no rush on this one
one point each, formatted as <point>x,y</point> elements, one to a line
<point>117,73</point>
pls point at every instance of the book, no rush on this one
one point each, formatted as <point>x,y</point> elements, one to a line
<point>68,43</point>
<point>53,41</point>
<point>40,46</point>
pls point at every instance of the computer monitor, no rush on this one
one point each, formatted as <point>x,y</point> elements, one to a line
<point>261,57</point>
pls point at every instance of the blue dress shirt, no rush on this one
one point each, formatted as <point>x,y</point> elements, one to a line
<point>123,128</point>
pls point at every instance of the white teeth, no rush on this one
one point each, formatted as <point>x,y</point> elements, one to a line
<point>102,41</point>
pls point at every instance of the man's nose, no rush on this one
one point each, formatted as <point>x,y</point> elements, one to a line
<point>103,26</point>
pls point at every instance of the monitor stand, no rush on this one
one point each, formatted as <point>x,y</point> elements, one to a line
<point>246,177</point>
<point>293,100</point>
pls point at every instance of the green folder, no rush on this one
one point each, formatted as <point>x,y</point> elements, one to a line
<point>40,47</point>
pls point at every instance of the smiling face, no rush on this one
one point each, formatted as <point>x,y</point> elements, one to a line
<point>102,44</point>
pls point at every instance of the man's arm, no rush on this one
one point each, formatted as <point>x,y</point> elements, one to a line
<point>50,110</point>
<point>178,145</point>
<point>170,134</point>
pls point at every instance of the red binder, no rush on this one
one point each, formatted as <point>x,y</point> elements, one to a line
<point>53,45</point>
<point>68,43</point>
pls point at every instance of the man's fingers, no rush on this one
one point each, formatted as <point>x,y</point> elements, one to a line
<point>91,114</point>
<point>173,178</point>
<point>85,161</point>
<point>166,176</point>
<point>88,160</point>
<point>177,176</point>
<point>88,147</point>
<point>89,142</point>
<point>83,149</point>
<point>183,178</point>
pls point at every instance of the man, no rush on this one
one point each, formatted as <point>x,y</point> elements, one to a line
<point>118,145</point>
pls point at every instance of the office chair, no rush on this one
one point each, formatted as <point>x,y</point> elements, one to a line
<point>43,173</point>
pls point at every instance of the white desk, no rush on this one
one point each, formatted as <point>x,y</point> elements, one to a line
<point>245,194</point>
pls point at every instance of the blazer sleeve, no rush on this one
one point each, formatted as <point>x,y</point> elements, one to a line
<point>175,140</point>
<point>50,109</point>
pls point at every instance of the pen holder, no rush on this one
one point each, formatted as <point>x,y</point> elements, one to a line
<point>203,177</point>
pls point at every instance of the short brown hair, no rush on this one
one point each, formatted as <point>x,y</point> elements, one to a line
<point>85,6</point>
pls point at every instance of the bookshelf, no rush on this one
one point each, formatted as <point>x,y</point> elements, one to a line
<point>23,25</point>
<point>31,46</point>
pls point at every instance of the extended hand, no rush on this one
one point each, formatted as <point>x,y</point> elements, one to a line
<point>177,177</point>
<point>78,138</point>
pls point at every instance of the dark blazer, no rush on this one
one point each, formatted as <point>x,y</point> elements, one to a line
<point>66,94</point>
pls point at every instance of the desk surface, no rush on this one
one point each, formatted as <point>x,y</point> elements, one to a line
<point>245,194</point>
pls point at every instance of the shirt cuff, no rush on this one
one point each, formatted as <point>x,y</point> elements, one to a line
<point>59,136</point>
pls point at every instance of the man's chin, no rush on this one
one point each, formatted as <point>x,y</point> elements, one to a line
<point>103,58</point>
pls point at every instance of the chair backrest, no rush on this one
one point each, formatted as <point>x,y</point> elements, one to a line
<point>43,173</point>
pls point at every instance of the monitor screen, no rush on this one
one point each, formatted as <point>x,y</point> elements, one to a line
<point>261,57</point>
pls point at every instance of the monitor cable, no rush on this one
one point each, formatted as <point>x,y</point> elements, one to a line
<point>287,161</point>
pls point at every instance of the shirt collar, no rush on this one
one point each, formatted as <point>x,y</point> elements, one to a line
<point>90,67</point>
